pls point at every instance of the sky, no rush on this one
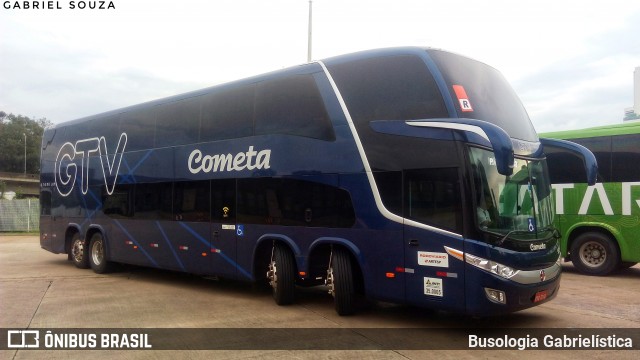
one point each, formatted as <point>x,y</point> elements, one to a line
<point>571,62</point>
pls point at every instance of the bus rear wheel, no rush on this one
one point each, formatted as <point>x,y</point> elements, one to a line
<point>97,257</point>
<point>281,275</point>
<point>595,253</point>
<point>340,282</point>
<point>78,252</point>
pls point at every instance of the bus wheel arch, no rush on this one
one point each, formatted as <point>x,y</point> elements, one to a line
<point>594,251</point>
<point>343,274</point>
<point>319,256</point>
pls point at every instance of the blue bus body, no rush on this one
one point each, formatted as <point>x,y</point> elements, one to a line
<point>363,170</point>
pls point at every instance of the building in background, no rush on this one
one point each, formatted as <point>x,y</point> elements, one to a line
<point>633,113</point>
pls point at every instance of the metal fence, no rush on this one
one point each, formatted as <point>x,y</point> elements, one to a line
<point>19,215</point>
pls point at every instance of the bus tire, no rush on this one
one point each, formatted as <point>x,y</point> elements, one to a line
<point>79,252</point>
<point>97,254</point>
<point>341,284</point>
<point>594,253</point>
<point>281,275</point>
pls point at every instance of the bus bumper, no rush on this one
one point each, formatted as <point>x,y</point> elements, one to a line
<point>489,294</point>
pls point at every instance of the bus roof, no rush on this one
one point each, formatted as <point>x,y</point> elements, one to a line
<point>255,78</point>
<point>373,53</point>
<point>607,130</point>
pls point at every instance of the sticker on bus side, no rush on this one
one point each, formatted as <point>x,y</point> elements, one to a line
<point>463,99</point>
<point>433,287</point>
<point>426,258</point>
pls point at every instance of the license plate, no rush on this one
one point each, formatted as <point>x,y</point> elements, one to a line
<point>540,295</point>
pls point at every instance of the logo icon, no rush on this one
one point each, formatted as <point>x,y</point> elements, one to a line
<point>19,339</point>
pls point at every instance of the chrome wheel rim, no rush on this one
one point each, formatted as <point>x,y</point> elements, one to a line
<point>272,275</point>
<point>77,250</point>
<point>97,252</point>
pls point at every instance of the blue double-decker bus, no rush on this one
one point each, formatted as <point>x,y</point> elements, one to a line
<point>406,175</point>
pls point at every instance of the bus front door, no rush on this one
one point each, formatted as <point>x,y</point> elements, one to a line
<point>433,276</point>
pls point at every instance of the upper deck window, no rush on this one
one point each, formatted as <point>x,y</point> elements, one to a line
<point>291,105</point>
<point>388,88</point>
<point>490,96</point>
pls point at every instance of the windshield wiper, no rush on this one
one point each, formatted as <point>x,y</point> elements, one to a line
<point>518,232</point>
<point>504,237</point>
<point>554,230</point>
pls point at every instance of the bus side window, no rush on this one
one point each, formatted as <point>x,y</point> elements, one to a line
<point>625,158</point>
<point>292,106</point>
<point>178,122</point>
<point>227,114</point>
<point>601,148</point>
<point>191,201</point>
<point>223,200</point>
<point>139,125</point>
<point>432,196</point>
<point>45,202</point>
<point>293,202</point>
<point>564,167</point>
<point>153,201</point>
<point>119,204</point>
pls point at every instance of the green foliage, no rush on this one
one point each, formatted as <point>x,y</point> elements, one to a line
<point>13,131</point>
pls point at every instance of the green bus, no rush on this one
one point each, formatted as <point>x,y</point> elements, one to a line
<point>599,224</point>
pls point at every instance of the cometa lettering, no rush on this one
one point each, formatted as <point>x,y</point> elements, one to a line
<point>249,160</point>
<point>55,5</point>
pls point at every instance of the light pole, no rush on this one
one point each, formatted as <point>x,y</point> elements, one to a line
<point>310,27</point>
<point>25,153</point>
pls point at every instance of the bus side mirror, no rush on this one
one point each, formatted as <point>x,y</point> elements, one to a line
<point>495,135</point>
<point>589,160</point>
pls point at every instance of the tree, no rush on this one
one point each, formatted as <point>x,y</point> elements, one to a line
<point>14,129</point>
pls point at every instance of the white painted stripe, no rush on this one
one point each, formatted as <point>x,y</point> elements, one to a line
<point>376,194</point>
<point>453,126</point>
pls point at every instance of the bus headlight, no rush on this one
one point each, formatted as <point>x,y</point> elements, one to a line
<point>491,266</point>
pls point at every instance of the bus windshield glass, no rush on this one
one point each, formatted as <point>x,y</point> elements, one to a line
<point>518,206</point>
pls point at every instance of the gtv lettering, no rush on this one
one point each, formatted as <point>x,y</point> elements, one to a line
<point>66,166</point>
<point>599,190</point>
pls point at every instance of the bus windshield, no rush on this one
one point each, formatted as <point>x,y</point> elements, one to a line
<point>518,206</point>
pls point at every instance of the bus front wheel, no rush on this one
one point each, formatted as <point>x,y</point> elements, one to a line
<point>594,253</point>
<point>281,275</point>
<point>97,257</point>
<point>340,282</point>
